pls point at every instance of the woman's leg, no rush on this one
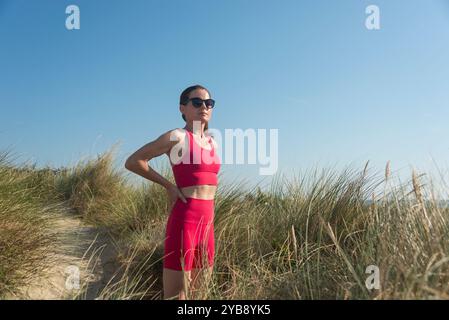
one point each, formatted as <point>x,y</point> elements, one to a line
<point>203,262</point>
<point>200,280</point>
<point>185,234</point>
<point>178,256</point>
<point>175,284</point>
<point>176,275</point>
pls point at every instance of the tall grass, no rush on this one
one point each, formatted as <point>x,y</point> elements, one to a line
<point>311,236</point>
<point>27,207</point>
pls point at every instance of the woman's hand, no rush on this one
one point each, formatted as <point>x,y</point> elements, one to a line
<point>174,193</point>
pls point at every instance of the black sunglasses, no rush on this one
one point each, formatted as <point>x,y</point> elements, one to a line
<point>198,102</point>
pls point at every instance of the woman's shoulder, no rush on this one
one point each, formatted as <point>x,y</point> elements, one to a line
<point>176,134</point>
<point>172,137</point>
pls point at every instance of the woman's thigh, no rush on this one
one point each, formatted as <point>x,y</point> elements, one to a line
<point>180,243</point>
<point>187,237</point>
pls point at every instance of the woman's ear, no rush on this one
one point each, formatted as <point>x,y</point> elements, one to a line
<point>182,109</point>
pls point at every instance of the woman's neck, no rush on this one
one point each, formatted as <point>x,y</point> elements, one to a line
<point>198,131</point>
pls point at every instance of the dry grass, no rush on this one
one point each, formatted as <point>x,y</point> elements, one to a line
<point>308,237</point>
<point>27,206</point>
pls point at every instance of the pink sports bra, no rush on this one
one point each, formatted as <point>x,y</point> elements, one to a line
<point>201,167</point>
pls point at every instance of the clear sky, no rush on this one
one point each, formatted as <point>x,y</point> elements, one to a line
<point>338,93</point>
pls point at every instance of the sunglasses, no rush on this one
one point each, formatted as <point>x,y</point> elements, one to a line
<point>198,102</point>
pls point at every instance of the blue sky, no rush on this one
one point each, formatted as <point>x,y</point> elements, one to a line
<point>338,93</point>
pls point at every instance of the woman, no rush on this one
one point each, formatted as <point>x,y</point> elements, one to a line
<point>189,236</point>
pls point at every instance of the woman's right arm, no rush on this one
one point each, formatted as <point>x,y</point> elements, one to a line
<point>138,161</point>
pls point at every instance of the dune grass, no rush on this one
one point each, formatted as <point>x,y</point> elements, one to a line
<point>312,236</point>
<point>27,207</point>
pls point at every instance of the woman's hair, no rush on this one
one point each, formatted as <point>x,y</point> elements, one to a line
<point>185,97</point>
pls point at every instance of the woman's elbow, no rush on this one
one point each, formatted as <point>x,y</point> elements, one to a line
<point>130,164</point>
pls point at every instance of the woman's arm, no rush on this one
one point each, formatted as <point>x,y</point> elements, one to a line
<point>138,161</point>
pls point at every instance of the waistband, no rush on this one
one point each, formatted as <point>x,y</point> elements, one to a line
<point>195,210</point>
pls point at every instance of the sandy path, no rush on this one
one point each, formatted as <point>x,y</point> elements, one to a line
<point>84,252</point>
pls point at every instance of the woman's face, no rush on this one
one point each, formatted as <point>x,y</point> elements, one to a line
<point>191,113</point>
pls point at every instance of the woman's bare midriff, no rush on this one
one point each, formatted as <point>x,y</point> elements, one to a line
<point>206,192</point>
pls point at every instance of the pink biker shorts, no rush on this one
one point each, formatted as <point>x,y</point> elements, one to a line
<point>189,236</point>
